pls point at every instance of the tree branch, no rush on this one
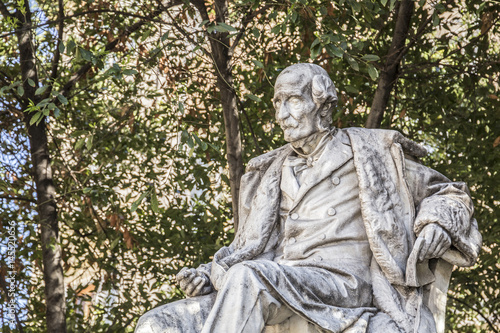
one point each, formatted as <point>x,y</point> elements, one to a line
<point>8,197</point>
<point>111,46</point>
<point>259,151</point>
<point>97,11</point>
<point>5,12</point>
<point>57,52</point>
<point>248,18</point>
<point>477,311</point>
<point>389,73</point>
<point>186,35</point>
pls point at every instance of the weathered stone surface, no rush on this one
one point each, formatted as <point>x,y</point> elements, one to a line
<point>339,231</point>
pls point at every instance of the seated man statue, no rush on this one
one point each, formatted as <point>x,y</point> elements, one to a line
<point>337,227</point>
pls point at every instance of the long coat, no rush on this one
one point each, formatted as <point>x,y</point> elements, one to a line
<point>398,197</point>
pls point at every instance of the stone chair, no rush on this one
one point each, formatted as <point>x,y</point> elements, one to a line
<point>434,298</point>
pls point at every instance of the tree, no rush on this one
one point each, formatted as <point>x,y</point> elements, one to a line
<point>148,110</point>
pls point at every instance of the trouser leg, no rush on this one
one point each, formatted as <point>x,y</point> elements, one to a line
<point>244,304</point>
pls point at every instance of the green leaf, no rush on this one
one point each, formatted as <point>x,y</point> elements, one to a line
<point>253,97</point>
<point>181,108</point>
<point>315,52</point>
<point>391,6</point>
<point>154,202</point>
<point>31,82</point>
<point>79,143</point>
<point>370,57</point>
<point>41,90</point>
<point>258,63</point>
<point>353,63</point>
<point>435,19</point>
<point>61,47</point>
<point>223,27</point>
<point>70,46</point>
<point>383,2</point>
<point>62,99</point>
<point>356,7</point>
<point>373,72</point>
<point>197,139</point>
<point>130,72</point>
<point>136,204</point>
<point>114,243</point>
<point>315,42</point>
<point>89,142</point>
<point>20,90</point>
<point>351,89</point>
<point>35,118</point>
<point>334,51</point>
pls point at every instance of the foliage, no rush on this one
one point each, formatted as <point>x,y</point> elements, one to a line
<point>138,142</point>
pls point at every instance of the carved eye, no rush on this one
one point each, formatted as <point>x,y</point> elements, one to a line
<point>277,103</point>
<point>294,100</point>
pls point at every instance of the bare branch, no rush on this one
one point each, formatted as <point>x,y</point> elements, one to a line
<point>5,12</point>
<point>8,197</point>
<point>254,138</point>
<point>57,52</point>
<point>388,75</point>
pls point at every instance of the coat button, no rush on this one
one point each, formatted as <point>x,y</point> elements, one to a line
<point>323,236</point>
<point>318,258</point>
<point>294,216</point>
<point>335,180</point>
<point>331,211</point>
<point>292,240</point>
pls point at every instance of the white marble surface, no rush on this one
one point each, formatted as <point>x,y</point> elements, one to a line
<point>337,229</point>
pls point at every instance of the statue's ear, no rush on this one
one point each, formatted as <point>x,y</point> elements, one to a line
<point>326,108</point>
<point>323,90</point>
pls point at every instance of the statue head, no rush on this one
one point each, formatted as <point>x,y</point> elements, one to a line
<point>304,96</point>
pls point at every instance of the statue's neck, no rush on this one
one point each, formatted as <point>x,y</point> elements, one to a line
<point>308,145</point>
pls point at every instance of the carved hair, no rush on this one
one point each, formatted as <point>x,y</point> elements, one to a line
<point>322,90</point>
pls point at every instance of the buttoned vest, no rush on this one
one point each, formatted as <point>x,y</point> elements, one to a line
<point>320,216</point>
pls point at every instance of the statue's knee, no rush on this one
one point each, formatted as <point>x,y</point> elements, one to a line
<point>239,272</point>
<point>242,276</point>
<point>158,320</point>
<point>145,323</point>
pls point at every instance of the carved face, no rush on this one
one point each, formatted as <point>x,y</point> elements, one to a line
<point>296,111</point>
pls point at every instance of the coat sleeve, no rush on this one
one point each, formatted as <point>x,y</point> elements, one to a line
<point>448,204</point>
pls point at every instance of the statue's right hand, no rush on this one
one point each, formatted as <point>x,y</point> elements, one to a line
<point>193,283</point>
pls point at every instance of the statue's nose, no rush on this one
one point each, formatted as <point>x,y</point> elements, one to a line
<point>283,112</point>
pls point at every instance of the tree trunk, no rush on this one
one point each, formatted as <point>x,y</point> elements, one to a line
<point>42,175</point>
<point>389,74</point>
<point>220,44</point>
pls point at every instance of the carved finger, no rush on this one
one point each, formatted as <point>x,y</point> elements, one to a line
<point>428,236</point>
<point>192,286</point>
<point>446,245</point>
<point>183,284</point>
<point>181,275</point>
<point>198,289</point>
<point>436,245</point>
<point>186,281</point>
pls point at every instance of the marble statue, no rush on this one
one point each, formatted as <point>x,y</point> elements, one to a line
<point>338,229</point>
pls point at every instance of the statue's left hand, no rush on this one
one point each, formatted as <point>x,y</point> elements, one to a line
<point>436,242</point>
<point>193,283</point>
